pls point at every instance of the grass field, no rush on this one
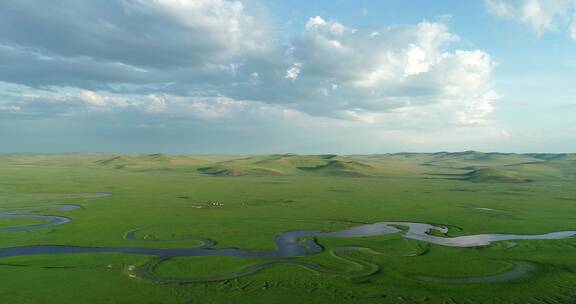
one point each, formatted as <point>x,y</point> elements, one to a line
<point>245,201</point>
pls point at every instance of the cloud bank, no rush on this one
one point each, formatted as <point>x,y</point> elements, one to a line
<point>157,62</point>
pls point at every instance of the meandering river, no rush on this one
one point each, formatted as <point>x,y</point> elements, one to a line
<point>289,244</point>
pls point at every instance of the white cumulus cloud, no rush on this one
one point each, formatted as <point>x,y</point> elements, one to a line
<point>541,15</point>
<point>351,73</point>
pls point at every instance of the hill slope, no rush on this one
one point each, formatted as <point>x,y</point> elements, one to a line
<point>289,164</point>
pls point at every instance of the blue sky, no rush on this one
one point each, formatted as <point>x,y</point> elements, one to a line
<point>219,76</point>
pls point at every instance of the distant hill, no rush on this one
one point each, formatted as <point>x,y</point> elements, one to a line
<point>123,161</point>
<point>506,167</point>
<point>472,166</point>
<point>286,164</point>
<point>158,161</point>
<point>494,175</point>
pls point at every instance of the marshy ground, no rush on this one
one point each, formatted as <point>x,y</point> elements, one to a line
<point>246,202</point>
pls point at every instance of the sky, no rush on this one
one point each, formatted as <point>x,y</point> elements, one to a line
<point>255,76</point>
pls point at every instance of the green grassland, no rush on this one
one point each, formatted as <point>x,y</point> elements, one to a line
<point>245,201</point>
